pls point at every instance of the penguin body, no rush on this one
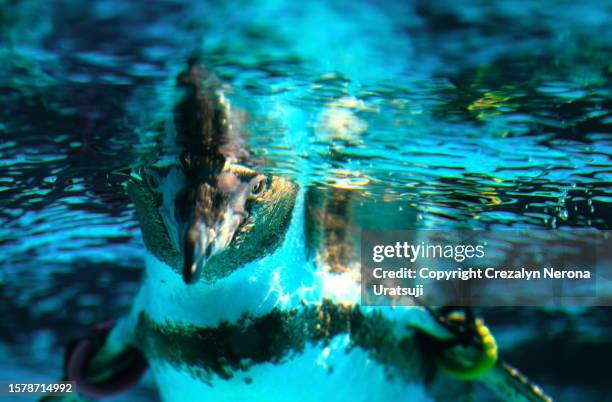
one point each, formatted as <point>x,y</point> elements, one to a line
<point>183,330</point>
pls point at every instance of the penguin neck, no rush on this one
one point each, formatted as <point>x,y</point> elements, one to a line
<point>280,280</point>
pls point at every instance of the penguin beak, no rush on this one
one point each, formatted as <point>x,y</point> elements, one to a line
<point>200,242</point>
<point>197,248</point>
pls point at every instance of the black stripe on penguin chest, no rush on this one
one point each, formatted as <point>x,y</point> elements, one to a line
<point>274,338</point>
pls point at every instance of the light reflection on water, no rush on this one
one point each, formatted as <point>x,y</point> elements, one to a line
<point>479,115</point>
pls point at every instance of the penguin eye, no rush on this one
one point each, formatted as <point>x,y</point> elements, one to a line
<point>259,186</point>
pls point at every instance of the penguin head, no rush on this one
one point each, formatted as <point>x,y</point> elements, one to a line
<point>206,228</point>
<point>232,218</point>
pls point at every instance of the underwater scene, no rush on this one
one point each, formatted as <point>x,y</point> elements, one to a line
<point>184,186</point>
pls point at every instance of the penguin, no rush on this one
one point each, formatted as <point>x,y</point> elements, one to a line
<point>237,304</point>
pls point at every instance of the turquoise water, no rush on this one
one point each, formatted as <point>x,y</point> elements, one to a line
<point>474,115</point>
